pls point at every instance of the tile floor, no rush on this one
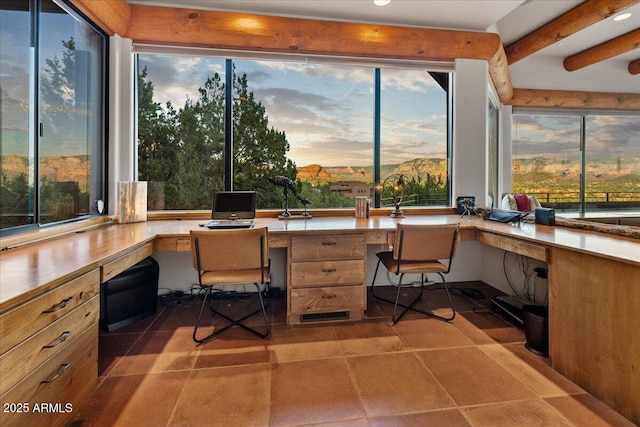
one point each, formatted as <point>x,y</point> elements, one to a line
<point>473,371</point>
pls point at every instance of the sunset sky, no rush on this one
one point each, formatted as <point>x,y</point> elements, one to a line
<point>325,110</point>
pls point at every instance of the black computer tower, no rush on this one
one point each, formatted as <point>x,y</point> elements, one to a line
<point>130,296</point>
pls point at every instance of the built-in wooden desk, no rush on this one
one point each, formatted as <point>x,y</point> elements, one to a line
<point>594,283</point>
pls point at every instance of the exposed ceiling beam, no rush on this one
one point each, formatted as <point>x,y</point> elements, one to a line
<point>606,50</point>
<point>540,98</point>
<point>112,16</point>
<point>634,66</point>
<point>238,31</point>
<point>578,18</point>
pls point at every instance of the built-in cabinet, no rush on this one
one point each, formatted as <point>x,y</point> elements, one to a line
<point>49,354</point>
<point>326,278</point>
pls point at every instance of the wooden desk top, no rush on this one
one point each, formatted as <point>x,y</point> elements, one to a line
<point>30,270</point>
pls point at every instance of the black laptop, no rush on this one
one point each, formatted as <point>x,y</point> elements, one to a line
<point>233,209</point>
<point>505,216</point>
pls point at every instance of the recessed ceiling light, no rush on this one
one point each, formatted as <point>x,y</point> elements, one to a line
<point>381,2</point>
<point>622,17</point>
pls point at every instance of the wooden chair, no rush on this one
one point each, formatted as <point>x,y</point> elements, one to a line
<point>417,250</point>
<point>231,257</point>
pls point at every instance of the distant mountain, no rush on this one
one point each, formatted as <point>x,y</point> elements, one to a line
<point>411,168</point>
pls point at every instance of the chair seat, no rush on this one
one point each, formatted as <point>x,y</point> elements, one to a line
<point>233,277</point>
<point>410,267</point>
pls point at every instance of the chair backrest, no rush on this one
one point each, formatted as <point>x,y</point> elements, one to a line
<point>425,242</point>
<point>230,249</point>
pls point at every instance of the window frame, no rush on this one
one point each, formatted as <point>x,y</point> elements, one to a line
<point>35,120</point>
<point>375,64</point>
<point>582,116</point>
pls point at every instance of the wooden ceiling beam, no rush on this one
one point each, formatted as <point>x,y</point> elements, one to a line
<point>606,50</point>
<point>540,98</point>
<point>238,31</point>
<point>634,67</point>
<point>578,18</point>
<point>112,16</point>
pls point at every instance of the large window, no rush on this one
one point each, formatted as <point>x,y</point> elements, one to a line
<point>51,75</point>
<point>335,130</point>
<point>578,162</point>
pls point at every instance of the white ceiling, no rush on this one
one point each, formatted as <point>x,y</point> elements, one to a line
<point>512,19</point>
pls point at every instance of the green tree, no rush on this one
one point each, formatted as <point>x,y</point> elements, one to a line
<point>184,149</point>
<point>259,151</point>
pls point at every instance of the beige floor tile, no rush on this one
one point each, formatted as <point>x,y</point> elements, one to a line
<point>487,328</point>
<point>313,391</point>
<point>396,383</point>
<point>303,342</point>
<point>233,396</point>
<point>428,333</point>
<point>158,352</point>
<point>586,410</point>
<point>471,377</point>
<point>439,418</point>
<point>134,400</point>
<point>235,346</point>
<point>525,413</point>
<point>112,348</point>
<point>368,337</point>
<point>532,370</point>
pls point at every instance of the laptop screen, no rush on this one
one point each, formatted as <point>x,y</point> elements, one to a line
<point>234,205</point>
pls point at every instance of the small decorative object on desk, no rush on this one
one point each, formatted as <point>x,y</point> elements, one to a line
<point>363,205</point>
<point>132,201</point>
<point>393,189</point>
<point>466,205</point>
<point>288,185</point>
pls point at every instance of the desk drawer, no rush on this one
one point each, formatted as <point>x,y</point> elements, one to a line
<point>64,382</point>
<point>118,265</point>
<point>321,300</point>
<point>23,321</point>
<point>26,356</point>
<point>328,246</point>
<point>329,273</point>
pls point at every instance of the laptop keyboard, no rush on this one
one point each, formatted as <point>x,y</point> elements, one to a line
<point>230,223</point>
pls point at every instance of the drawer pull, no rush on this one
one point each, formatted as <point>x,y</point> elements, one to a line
<point>328,270</point>
<point>328,296</point>
<point>62,338</point>
<point>63,304</point>
<point>61,371</point>
<point>331,243</point>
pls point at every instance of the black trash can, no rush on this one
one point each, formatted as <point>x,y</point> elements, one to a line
<point>536,328</point>
<point>130,296</point>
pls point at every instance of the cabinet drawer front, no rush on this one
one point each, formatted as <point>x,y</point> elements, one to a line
<point>317,300</point>
<point>18,362</point>
<point>22,322</point>
<point>118,265</point>
<point>321,273</point>
<point>329,246</point>
<point>65,380</point>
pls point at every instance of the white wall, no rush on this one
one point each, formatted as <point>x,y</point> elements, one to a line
<point>471,97</point>
<point>122,145</point>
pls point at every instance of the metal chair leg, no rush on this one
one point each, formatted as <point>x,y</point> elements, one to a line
<point>233,322</point>
<point>411,307</point>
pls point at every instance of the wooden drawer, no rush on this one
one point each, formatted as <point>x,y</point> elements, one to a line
<point>517,246</point>
<point>63,383</point>
<point>319,300</point>
<point>22,322</point>
<point>18,362</point>
<point>378,237</point>
<point>173,244</point>
<point>278,240</point>
<point>328,246</point>
<point>117,266</point>
<point>323,273</point>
